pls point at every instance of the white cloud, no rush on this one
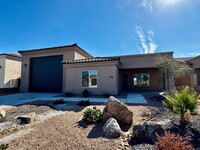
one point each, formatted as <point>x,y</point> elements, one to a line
<point>147,4</point>
<point>142,39</point>
<point>152,45</point>
<point>130,5</point>
<point>147,47</point>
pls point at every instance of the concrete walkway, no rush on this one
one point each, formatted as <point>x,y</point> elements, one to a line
<point>135,98</point>
<point>17,99</point>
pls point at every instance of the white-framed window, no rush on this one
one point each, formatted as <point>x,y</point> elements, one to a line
<point>141,79</point>
<point>89,79</point>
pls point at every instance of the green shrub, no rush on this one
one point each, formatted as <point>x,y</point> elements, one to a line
<point>84,103</point>
<point>171,141</point>
<point>68,94</point>
<point>60,101</point>
<point>182,102</point>
<point>92,116</point>
<point>3,146</point>
<point>85,93</point>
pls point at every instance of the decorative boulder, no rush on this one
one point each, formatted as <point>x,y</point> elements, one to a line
<point>2,113</point>
<point>149,130</point>
<point>116,109</point>
<point>27,119</point>
<point>111,128</point>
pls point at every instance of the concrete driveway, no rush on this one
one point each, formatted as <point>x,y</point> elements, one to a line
<point>21,98</point>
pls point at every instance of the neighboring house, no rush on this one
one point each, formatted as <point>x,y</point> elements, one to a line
<point>195,63</point>
<point>71,69</point>
<point>192,79</point>
<point>10,71</point>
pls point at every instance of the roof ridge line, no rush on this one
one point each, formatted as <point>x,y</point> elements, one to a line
<point>69,45</point>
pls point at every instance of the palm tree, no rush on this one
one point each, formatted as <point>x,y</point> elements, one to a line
<point>182,102</point>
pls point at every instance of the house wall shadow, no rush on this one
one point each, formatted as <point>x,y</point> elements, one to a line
<point>67,106</point>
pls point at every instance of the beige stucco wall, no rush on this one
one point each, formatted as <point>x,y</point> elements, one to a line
<point>2,64</point>
<point>107,77</point>
<point>12,72</point>
<point>79,56</point>
<point>196,69</point>
<point>140,61</point>
<point>68,53</point>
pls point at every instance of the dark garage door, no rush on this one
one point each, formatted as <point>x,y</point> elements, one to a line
<point>46,74</point>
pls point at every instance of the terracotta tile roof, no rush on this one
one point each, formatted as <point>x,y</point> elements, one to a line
<point>13,55</point>
<point>47,48</point>
<point>184,59</point>
<point>95,59</point>
<point>72,45</point>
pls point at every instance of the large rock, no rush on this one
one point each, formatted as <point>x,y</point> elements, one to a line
<point>2,113</point>
<point>149,130</point>
<point>116,109</point>
<point>111,128</point>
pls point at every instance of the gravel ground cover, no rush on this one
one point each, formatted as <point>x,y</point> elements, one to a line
<point>11,124</point>
<point>64,131</point>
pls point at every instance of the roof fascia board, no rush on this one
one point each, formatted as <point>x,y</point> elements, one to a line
<point>90,64</point>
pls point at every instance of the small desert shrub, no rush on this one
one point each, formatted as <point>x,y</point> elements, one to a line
<point>84,103</point>
<point>171,141</point>
<point>92,116</point>
<point>3,146</point>
<point>68,94</point>
<point>182,102</point>
<point>85,93</point>
<point>60,101</point>
<point>106,95</point>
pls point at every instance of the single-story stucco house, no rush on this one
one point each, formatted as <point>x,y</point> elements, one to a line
<point>10,71</point>
<point>71,69</point>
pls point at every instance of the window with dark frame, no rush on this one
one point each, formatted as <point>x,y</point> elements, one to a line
<point>141,79</point>
<point>89,79</point>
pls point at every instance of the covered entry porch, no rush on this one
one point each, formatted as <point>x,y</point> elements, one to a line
<point>141,80</point>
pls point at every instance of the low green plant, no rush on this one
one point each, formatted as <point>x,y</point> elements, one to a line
<point>59,101</point>
<point>182,102</point>
<point>84,103</point>
<point>68,94</point>
<point>85,93</point>
<point>3,146</point>
<point>92,116</point>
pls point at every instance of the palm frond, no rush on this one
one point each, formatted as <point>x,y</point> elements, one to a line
<point>181,101</point>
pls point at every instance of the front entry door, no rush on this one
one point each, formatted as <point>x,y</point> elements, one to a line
<point>125,82</point>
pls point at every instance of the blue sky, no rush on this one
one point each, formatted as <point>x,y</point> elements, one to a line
<point>102,27</point>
